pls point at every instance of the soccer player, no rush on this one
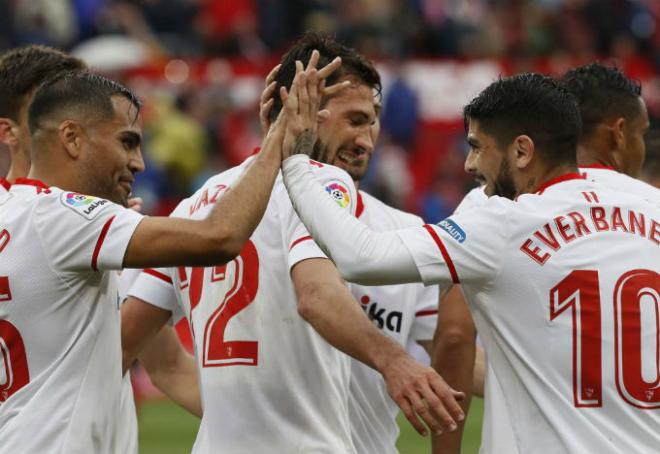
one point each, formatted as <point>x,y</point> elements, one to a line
<point>610,151</point>
<point>22,71</point>
<point>404,312</point>
<point>266,326</point>
<point>561,273</point>
<point>59,331</point>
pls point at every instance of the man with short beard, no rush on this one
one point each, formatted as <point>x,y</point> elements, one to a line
<point>562,279</point>
<point>270,329</point>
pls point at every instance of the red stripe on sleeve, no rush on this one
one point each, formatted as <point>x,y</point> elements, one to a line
<point>158,274</point>
<point>300,240</point>
<point>99,242</point>
<point>445,254</point>
<point>427,312</point>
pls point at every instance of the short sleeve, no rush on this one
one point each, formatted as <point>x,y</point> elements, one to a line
<point>463,249</point>
<point>155,286</point>
<point>81,232</point>
<point>426,313</point>
<point>339,186</point>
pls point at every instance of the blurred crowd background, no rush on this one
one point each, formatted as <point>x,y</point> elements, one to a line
<point>199,65</point>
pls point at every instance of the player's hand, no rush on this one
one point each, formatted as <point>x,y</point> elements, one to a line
<point>421,393</point>
<point>135,204</point>
<point>266,101</point>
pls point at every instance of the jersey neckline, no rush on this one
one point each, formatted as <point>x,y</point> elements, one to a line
<point>38,184</point>
<point>559,179</point>
<point>598,166</point>
<point>5,183</point>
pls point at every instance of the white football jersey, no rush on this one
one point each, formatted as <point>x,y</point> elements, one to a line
<point>564,288</point>
<point>60,367</point>
<point>403,312</point>
<point>269,382</point>
<point>621,182</point>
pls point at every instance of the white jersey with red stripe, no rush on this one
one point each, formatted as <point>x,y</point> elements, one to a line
<point>60,367</point>
<point>621,182</point>
<point>269,382</point>
<point>403,312</point>
<point>564,289</point>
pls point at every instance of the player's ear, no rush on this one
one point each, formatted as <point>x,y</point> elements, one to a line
<point>617,135</point>
<point>8,131</point>
<point>523,147</point>
<point>71,136</point>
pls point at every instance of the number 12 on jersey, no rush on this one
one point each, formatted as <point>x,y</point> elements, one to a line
<point>216,350</point>
<point>636,304</point>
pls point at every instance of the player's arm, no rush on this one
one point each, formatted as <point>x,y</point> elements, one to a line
<point>172,370</point>
<point>454,358</point>
<point>161,241</point>
<point>140,323</point>
<point>326,303</point>
<point>479,375</point>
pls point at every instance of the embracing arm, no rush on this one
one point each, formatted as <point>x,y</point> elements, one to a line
<point>361,255</point>
<point>327,304</point>
<point>172,370</point>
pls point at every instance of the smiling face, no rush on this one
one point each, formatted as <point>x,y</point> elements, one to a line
<point>489,163</point>
<point>113,154</point>
<point>346,139</point>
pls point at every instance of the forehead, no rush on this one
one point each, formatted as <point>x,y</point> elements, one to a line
<point>356,97</point>
<point>126,116</point>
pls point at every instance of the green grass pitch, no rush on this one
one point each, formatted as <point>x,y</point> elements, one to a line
<point>167,429</point>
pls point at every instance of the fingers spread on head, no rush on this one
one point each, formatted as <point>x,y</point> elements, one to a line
<point>330,68</point>
<point>314,59</point>
<point>273,72</point>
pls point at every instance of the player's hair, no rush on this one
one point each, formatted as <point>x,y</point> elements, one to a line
<point>603,93</point>
<point>24,69</point>
<point>79,92</point>
<point>531,104</point>
<point>352,64</point>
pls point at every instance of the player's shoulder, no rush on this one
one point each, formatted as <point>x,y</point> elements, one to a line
<point>477,196</point>
<point>202,200</point>
<point>622,182</point>
<point>394,217</point>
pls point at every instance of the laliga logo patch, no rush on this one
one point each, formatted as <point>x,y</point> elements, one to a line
<point>85,205</point>
<point>339,193</point>
<point>453,230</point>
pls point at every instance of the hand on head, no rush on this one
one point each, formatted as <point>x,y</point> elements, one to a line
<point>301,111</point>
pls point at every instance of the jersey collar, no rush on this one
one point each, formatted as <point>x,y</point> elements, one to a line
<point>597,166</point>
<point>39,185</point>
<point>5,184</point>
<point>559,179</point>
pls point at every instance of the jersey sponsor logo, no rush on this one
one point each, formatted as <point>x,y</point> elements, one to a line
<point>380,316</point>
<point>453,230</point>
<point>339,193</point>
<point>85,205</point>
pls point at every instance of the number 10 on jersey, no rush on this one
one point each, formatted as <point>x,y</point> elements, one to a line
<point>636,358</point>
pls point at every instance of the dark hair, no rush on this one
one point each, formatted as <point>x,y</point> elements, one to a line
<point>530,104</point>
<point>353,64</point>
<point>24,69</point>
<point>88,94</point>
<point>603,92</point>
